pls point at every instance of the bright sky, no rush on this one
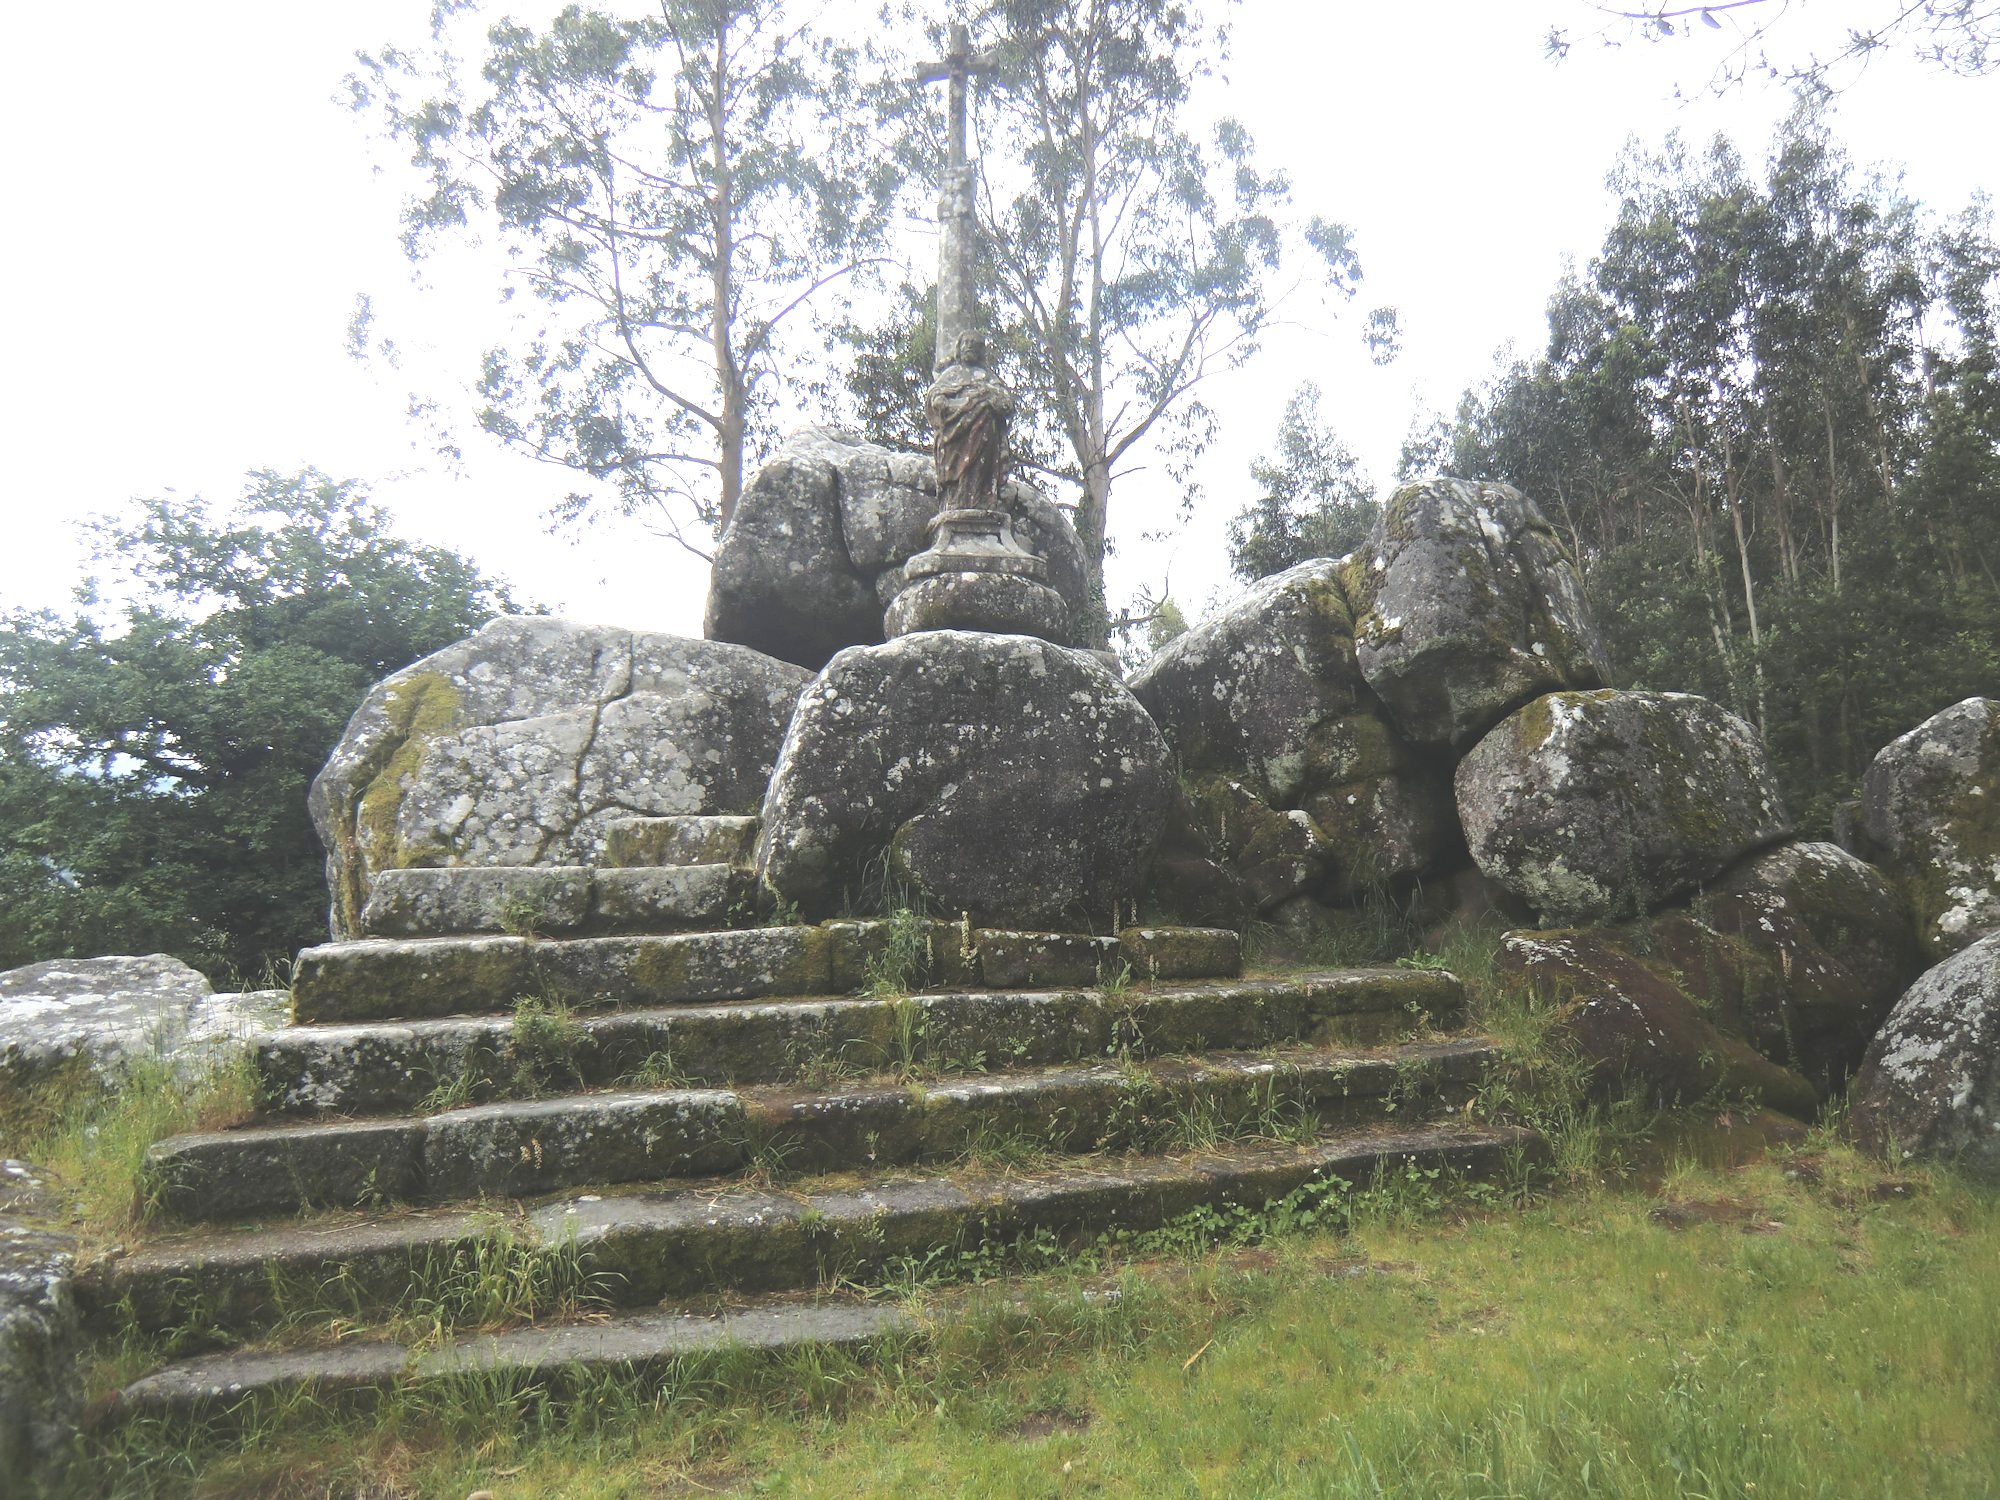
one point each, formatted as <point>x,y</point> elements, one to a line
<point>195,215</point>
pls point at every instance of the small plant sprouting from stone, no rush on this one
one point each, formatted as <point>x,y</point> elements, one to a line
<point>547,1045</point>
<point>1115,984</point>
<point>523,916</point>
<point>657,1070</point>
<point>904,955</point>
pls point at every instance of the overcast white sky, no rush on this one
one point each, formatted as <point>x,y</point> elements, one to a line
<point>194,216</point>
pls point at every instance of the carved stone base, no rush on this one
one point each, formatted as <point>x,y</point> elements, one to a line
<point>998,603</point>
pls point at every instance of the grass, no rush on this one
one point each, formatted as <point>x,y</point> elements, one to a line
<point>1788,1328</point>
<point>93,1142</point>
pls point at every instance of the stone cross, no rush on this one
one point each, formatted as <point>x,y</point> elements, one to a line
<point>955,311</point>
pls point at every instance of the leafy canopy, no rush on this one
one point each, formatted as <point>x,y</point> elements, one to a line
<point>156,745</point>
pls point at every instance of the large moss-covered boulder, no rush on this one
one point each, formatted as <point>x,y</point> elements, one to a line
<point>815,550</point>
<point>520,744</point>
<point>1595,805</point>
<point>1930,1085</point>
<point>998,775</point>
<point>1640,1023</point>
<point>1466,605</point>
<point>1931,814</point>
<point>1294,776</point>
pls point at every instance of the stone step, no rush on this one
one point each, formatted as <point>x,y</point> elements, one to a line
<point>523,1148</point>
<point>632,1346</point>
<point>552,900</point>
<point>631,843</point>
<point>397,978</point>
<point>387,1067</point>
<point>682,1242</point>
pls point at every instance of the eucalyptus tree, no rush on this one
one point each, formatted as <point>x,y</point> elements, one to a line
<point>1317,500</point>
<point>678,188</point>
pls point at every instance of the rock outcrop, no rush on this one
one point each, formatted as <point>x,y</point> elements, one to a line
<point>1000,775</point>
<point>41,1336</point>
<point>1931,814</point>
<point>815,551</point>
<point>1597,805</point>
<point>1630,1015</point>
<point>1466,605</point>
<point>100,1015</point>
<point>1930,1085</point>
<point>518,745</point>
<point>1293,775</point>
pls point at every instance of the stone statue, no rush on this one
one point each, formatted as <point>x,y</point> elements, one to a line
<point>969,413</point>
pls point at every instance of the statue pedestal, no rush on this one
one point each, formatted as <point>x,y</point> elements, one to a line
<point>976,576</point>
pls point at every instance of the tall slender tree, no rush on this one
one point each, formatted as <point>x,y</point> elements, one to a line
<point>678,190</point>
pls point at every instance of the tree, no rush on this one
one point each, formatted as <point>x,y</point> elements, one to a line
<point>1960,37</point>
<point>1766,421</point>
<point>1317,500</point>
<point>155,752</point>
<point>678,192</point>
<point>1128,259</point>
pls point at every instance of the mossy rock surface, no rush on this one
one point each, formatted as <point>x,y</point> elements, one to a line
<point>1931,811</point>
<point>1604,804</point>
<point>1466,605</point>
<point>1634,1017</point>
<point>521,745</point>
<point>1930,1085</point>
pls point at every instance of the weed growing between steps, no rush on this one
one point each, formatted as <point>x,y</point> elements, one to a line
<point>93,1140</point>
<point>1804,1326</point>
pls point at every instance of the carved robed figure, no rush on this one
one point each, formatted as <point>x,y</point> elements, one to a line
<point>969,414</point>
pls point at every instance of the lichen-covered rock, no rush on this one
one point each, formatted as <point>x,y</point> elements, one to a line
<point>1258,688</point>
<point>1594,805</point>
<point>1931,810</point>
<point>1264,704</point>
<point>1466,605</point>
<point>1826,950</point>
<point>71,1020</point>
<point>1930,1085</point>
<point>519,745</point>
<point>41,1338</point>
<point>1630,1015</point>
<point>816,548</point>
<point>1000,775</point>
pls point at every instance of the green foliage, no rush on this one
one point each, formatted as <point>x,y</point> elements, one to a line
<point>156,746</point>
<point>677,190</point>
<point>1317,501</point>
<point>1768,422</point>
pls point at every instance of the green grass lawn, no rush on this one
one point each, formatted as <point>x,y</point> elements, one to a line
<point>1810,1324</point>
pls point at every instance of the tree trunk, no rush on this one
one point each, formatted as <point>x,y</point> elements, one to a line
<point>728,374</point>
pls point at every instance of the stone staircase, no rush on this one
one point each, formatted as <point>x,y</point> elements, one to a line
<point>725,1135</point>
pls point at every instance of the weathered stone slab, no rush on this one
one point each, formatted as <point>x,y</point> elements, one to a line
<point>660,900</point>
<point>1021,960</point>
<point>245,1174</point>
<point>497,898</point>
<point>1930,1085</point>
<point>686,840</point>
<point>1169,953</point>
<point>387,1068</point>
<point>1931,810</point>
<point>516,1149</point>
<point>1606,804</point>
<point>220,1386</point>
<point>521,744</point>
<point>1466,606</point>
<point>996,775</point>
<point>390,979</point>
